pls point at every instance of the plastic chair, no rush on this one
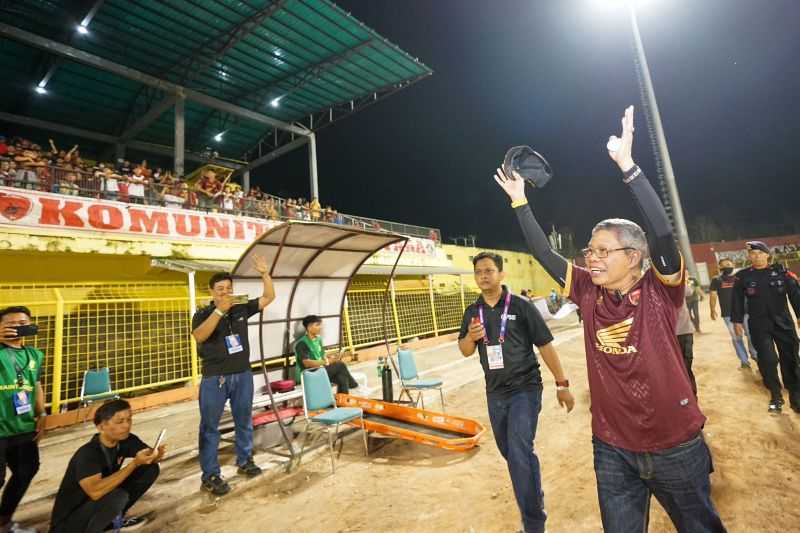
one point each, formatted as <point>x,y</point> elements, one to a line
<point>96,386</point>
<point>317,395</point>
<point>410,381</point>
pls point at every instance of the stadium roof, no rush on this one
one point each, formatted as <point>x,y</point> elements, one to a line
<point>294,65</point>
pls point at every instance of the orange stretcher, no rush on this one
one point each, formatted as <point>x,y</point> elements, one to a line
<point>441,430</point>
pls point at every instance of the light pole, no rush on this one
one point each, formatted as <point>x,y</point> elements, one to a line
<point>659,141</point>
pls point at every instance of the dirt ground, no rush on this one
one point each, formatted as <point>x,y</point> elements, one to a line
<point>408,487</point>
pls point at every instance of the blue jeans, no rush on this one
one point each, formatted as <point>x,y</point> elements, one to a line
<point>514,419</point>
<point>678,477</point>
<point>738,342</point>
<point>238,388</point>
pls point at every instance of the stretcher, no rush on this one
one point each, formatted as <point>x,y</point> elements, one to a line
<point>440,430</point>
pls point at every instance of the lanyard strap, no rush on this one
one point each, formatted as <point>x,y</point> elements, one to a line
<point>503,321</point>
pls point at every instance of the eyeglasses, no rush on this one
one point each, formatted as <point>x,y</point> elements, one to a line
<point>602,253</point>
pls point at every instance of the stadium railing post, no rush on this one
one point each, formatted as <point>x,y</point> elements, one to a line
<point>58,350</point>
<point>394,313</point>
<point>347,330</point>
<point>433,305</point>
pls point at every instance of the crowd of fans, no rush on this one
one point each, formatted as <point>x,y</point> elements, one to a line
<point>27,165</point>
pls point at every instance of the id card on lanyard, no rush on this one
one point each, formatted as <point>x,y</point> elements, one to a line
<point>233,342</point>
<point>20,398</point>
<point>494,352</point>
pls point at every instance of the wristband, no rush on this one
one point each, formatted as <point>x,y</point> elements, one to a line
<point>560,385</point>
<point>220,313</point>
<point>519,203</point>
<point>632,173</point>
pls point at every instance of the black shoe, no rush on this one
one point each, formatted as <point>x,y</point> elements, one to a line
<point>249,469</point>
<point>775,407</point>
<point>216,485</point>
<point>746,365</point>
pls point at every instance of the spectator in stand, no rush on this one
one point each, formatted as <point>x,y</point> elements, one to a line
<point>3,146</point>
<point>136,186</point>
<point>190,199</point>
<point>228,199</point>
<point>66,156</point>
<point>289,210</point>
<point>6,176</point>
<point>12,174</point>
<point>110,184</point>
<point>27,163</point>
<point>123,183</point>
<point>173,196</point>
<point>69,185</point>
<point>315,209</point>
<point>252,204</point>
<point>208,189</point>
<point>272,212</point>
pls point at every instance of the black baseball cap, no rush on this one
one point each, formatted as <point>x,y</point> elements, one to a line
<point>758,245</point>
<point>529,164</point>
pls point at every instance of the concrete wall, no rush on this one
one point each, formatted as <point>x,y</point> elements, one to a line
<point>522,271</point>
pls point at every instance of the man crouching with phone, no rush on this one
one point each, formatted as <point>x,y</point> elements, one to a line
<point>97,490</point>
<point>21,411</point>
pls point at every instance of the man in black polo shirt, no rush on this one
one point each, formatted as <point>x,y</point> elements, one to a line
<point>504,328</point>
<point>97,490</point>
<point>222,341</point>
<point>721,290</point>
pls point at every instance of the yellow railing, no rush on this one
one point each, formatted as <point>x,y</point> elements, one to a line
<point>141,331</point>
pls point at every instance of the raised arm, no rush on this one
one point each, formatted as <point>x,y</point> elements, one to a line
<point>663,250</point>
<point>553,263</point>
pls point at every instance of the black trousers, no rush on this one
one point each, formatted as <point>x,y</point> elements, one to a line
<point>765,339</point>
<point>340,375</point>
<point>686,342</point>
<point>95,516</point>
<point>694,313</point>
<point>21,454</point>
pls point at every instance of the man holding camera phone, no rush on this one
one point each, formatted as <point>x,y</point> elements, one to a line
<point>220,330</point>
<point>21,411</point>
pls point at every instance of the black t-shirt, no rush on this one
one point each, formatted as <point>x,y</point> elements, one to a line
<point>213,351</point>
<point>525,327</point>
<point>91,459</point>
<point>724,287</point>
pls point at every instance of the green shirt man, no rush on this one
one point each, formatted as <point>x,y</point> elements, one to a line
<point>19,375</point>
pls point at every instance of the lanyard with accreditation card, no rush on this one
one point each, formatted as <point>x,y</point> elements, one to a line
<point>494,352</point>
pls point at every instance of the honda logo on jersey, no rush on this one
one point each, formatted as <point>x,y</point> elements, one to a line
<point>611,340</point>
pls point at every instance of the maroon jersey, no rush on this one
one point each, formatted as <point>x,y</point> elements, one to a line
<point>641,397</point>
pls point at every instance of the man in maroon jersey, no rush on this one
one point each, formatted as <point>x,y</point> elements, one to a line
<point>645,419</point>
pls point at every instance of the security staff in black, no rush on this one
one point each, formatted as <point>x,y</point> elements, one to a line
<point>504,328</point>
<point>766,288</point>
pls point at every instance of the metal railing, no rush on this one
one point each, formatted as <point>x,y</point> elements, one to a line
<point>94,185</point>
<point>141,331</point>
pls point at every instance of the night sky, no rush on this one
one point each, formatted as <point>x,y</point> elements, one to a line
<point>557,74</point>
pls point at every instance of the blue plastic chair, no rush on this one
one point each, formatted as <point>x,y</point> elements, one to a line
<point>318,395</point>
<point>410,381</point>
<point>96,386</point>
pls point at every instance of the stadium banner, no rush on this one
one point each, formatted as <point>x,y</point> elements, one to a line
<point>43,210</point>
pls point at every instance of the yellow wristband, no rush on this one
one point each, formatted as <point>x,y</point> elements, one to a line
<point>519,203</point>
